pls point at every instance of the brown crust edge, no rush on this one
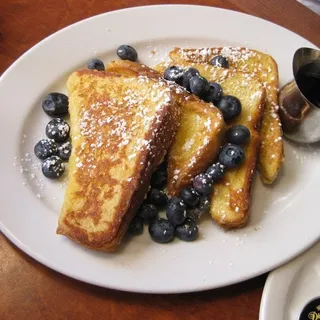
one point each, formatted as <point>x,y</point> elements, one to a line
<point>203,160</point>
<point>109,242</point>
<point>241,218</point>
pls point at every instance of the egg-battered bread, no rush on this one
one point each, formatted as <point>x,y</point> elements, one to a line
<point>121,129</point>
<point>263,66</point>
<point>230,201</point>
<point>200,134</point>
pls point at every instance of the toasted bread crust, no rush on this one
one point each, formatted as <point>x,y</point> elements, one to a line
<point>230,201</point>
<point>185,158</point>
<point>101,201</point>
<point>195,145</point>
<point>271,153</point>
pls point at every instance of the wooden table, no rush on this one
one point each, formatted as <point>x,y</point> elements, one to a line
<point>32,291</point>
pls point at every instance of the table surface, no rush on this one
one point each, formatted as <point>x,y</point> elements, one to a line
<point>32,291</point>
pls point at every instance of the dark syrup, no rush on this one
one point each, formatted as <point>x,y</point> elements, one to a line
<point>308,81</point>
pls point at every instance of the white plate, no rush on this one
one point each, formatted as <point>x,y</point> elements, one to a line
<point>284,218</point>
<point>291,287</point>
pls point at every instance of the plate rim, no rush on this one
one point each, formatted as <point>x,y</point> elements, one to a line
<point>296,265</point>
<point>139,8</point>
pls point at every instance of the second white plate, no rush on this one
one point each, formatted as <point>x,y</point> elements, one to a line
<point>290,288</point>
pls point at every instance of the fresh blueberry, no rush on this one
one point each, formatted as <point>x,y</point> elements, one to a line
<point>56,104</point>
<point>126,52</point>
<point>238,134</point>
<point>64,151</point>
<point>220,61</point>
<point>52,167</point>
<point>230,107</point>
<point>96,64</point>
<point>159,178</point>
<point>45,148</point>
<point>176,211</point>
<point>157,197</point>
<point>199,86</point>
<point>187,231</point>
<point>148,211</point>
<point>58,130</point>
<point>215,172</point>
<point>161,230</point>
<point>189,196</point>
<point>187,75</point>
<point>231,156</point>
<point>203,207</point>
<point>163,166</point>
<point>174,73</point>
<point>214,93</point>
<point>203,184</point>
<point>136,226</point>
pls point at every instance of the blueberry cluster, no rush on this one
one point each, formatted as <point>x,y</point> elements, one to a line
<point>192,81</point>
<point>177,222</point>
<point>183,212</point>
<point>55,148</point>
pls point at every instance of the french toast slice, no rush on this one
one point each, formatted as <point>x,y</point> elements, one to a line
<point>121,129</point>
<point>231,197</point>
<point>199,136</point>
<point>271,153</point>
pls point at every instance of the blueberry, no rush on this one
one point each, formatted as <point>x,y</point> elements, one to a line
<point>161,230</point>
<point>64,151</point>
<point>158,179</point>
<point>176,211</point>
<point>148,211</point>
<point>230,107</point>
<point>238,134</point>
<point>199,86</point>
<point>126,52</point>
<point>52,167</point>
<point>157,197</point>
<point>231,156</point>
<point>58,130</point>
<point>187,75</point>
<point>204,204</point>
<point>187,231</point>
<point>214,93</point>
<point>136,226</point>
<point>203,184</point>
<point>163,166</point>
<point>56,104</point>
<point>189,196</point>
<point>203,207</point>
<point>215,172</point>
<point>220,61</point>
<point>45,148</point>
<point>174,73</point>
<point>96,64</point>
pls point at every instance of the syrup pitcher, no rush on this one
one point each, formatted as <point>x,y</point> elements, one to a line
<point>299,100</point>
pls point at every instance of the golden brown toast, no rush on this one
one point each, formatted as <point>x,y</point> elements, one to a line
<point>265,68</point>
<point>121,129</point>
<point>231,199</point>
<point>199,136</point>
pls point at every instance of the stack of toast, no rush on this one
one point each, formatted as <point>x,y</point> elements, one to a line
<point>264,67</point>
<point>200,134</point>
<point>126,120</point>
